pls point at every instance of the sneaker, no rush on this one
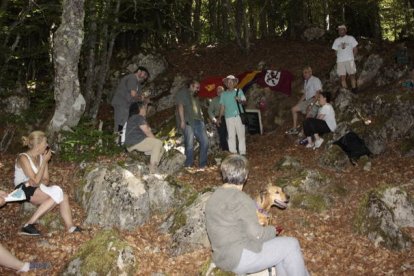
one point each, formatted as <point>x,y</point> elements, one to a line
<point>293,131</point>
<point>303,142</point>
<point>318,143</point>
<point>77,229</point>
<point>29,230</point>
<point>34,265</point>
<point>310,145</point>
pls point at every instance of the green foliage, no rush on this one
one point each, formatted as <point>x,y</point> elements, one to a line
<point>87,143</point>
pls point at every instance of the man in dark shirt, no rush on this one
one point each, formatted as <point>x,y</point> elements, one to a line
<point>139,136</point>
<point>192,123</point>
<point>129,90</point>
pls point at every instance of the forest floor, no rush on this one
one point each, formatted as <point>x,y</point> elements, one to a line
<point>330,246</point>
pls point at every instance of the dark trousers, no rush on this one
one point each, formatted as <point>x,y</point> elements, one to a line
<point>313,125</point>
<point>222,132</point>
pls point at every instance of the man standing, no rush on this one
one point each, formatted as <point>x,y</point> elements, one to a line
<point>192,123</point>
<point>214,113</point>
<point>129,90</point>
<point>311,88</point>
<point>229,101</point>
<point>346,50</point>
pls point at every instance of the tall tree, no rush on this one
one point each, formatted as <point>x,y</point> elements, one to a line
<point>70,103</point>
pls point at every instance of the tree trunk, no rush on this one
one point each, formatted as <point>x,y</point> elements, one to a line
<point>262,20</point>
<point>224,19</point>
<point>70,103</point>
<point>196,20</point>
<point>90,66</point>
<point>213,32</point>
<point>108,42</point>
<point>252,19</point>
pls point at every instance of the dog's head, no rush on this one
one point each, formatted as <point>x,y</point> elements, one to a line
<point>274,196</point>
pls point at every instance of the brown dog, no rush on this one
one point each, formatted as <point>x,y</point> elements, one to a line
<point>272,196</point>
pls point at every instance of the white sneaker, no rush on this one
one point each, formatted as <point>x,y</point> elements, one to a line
<point>318,143</point>
<point>310,145</point>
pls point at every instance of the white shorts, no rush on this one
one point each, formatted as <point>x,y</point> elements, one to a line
<point>346,67</point>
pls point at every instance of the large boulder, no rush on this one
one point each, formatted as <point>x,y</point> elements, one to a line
<point>126,197</point>
<point>106,254</point>
<point>310,190</point>
<point>382,216</point>
<point>188,225</point>
<point>370,70</point>
<point>155,64</point>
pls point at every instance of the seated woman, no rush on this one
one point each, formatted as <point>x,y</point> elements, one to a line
<point>239,243</point>
<point>10,261</point>
<point>324,122</point>
<point>32,175</point>
<point>139,136</point>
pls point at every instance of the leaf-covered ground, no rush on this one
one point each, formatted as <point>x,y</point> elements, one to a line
<point>329,244</point>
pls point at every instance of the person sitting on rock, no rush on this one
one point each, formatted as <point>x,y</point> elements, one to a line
<point>32,176</point>
<point>139,136</point>
<point>10,261</point>
<point>312,86</point>
<point>324,122</point>
<point>239,243</point>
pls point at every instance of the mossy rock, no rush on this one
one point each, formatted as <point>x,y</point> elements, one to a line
<point>311,202</point>
<point>101,256</point>
<point>288,163</point>
<point>377,220</point>
<point>334,158</point>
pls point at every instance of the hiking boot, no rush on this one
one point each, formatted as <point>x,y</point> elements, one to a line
<point>293,131</point>
<point>354,90</point>
<point>29,230</point>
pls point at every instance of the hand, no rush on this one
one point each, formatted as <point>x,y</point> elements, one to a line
<point>218,122</point>
<point>182,125</point>
<point>47,155</point>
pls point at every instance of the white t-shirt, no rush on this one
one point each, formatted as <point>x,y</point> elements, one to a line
<point>346,53</point>
<point>310,87</point>
<point>329,113</point>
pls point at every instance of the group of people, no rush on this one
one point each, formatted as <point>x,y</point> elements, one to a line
<point>31,176</point>
<point>315,104</point>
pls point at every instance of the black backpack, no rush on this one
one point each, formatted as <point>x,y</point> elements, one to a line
<point>353,146</point>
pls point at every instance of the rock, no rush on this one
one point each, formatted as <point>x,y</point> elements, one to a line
<point>370,70</point>
<point>51,220</point>
<point>105,254</point>
<point>313,33</point>
<point>161,195</point>
<point>188,226</point>
<point>172,162</point>
<point>114,197</point>
<point>382,215</point>
<point>288,163</point>
<point>390,74</point>
<point>16,104</point>
<point>310,190</point>
<point>155,64</point>
<point>334,158</point>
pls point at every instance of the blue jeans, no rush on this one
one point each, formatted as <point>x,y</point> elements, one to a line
<point>198,130</point>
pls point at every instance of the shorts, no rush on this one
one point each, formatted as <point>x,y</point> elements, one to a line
<point>28,190</point>
<point>303,107</point>
<point>346,67</point>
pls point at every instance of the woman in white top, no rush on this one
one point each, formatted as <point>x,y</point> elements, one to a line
<point>32,176</point>
<point>323,123</point>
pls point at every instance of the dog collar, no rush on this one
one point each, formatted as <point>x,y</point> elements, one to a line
<point>261,210</point>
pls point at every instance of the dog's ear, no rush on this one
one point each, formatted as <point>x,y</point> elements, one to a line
<point>262,195</point>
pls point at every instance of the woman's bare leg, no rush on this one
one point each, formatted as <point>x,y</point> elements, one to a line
<point>65,212</point>
<point>45,203</point>
<point>8,260</point>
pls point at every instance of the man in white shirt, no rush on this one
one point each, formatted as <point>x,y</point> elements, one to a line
<point>346,49</point>
<point>312,86</point>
